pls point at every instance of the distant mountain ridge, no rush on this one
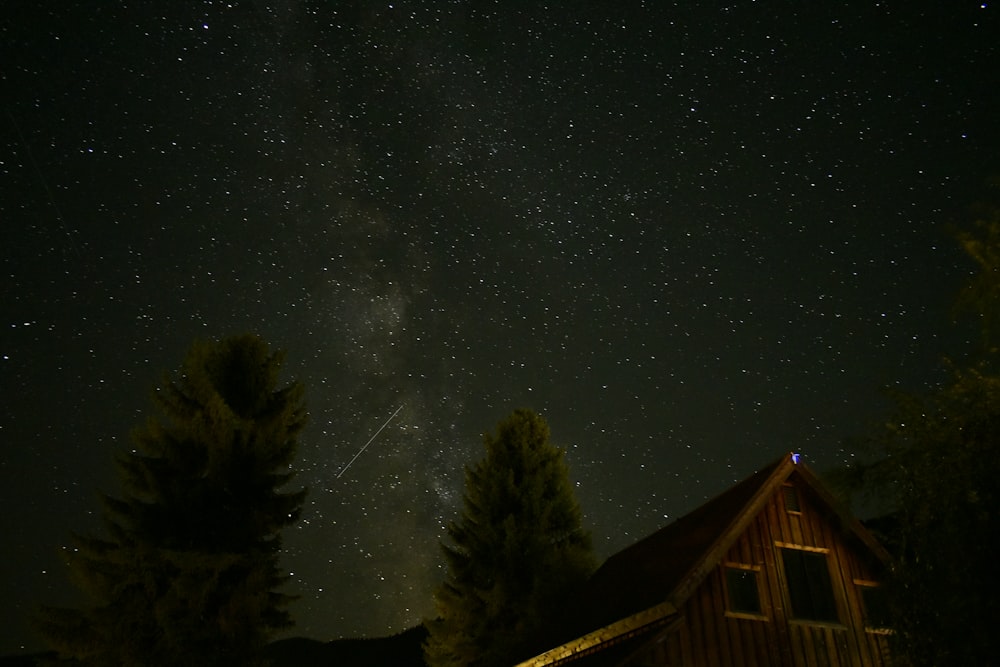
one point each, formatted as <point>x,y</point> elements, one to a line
<point>401,650</point>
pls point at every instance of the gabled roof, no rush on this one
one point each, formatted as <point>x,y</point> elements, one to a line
<point>644,584</point>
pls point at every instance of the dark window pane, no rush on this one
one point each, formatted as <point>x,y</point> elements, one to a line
<point>809,587</point>
<point>876,606</point>
<point>742,587</point>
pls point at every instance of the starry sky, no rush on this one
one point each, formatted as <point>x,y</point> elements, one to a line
<point>692,235</point>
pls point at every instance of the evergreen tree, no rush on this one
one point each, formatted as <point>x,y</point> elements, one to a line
<point>189,570</point>
<point>935,475</point>
<point>517,550</point>
<point>981,295</point>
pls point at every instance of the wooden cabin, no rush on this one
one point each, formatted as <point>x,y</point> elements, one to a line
<point>771,573</point>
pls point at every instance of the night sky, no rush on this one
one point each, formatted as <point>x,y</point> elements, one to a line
<point>692,235</point>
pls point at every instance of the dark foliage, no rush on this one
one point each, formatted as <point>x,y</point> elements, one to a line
<point>981,295</point>
<point>516,551</point>
<point>935,475</point>
<point>188,573</point>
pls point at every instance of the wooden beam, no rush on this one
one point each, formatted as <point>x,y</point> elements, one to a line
<point>606,635</point>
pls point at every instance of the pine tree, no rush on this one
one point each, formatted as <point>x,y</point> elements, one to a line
<point>935,479</point>
<point>517,550</point>
<point>189,570</point>
<point>934,473</point>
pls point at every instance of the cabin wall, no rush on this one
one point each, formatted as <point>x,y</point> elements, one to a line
<point>713,636</point>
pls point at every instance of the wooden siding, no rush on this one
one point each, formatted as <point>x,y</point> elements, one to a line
<point>709,637</point>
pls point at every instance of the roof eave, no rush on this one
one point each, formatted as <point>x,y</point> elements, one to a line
<point>608,634</point>
<point>711,556</point>
<point>714,554</point>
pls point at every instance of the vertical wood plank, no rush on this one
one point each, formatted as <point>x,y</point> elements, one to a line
<point>685,644</point>
<point>708,637</point>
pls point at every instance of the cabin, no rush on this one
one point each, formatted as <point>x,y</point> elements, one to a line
<point>771,573</point>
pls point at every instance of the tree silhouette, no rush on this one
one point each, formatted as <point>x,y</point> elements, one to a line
<point>516,551</point>
<point>935,475</point>
<point>981,295</point>
<point>937,479</point>
<point>189,570</point>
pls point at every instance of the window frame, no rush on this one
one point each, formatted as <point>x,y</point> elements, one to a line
<point>861,585</point>
<point>731,612</point>
<point>812,615</point>
<point>790,492</point>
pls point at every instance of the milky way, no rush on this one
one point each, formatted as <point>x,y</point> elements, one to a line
<point>692,238</point>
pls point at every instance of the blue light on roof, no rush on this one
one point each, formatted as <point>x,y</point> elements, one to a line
<point>795,458</point>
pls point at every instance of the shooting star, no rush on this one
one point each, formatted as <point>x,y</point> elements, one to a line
<point>362,450</point>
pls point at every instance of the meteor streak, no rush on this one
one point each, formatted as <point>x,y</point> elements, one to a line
<point>362,450</point>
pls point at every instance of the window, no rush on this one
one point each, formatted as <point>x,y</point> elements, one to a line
<point>791,499</point>
<point>876,606</point>
<point>741,588</point>
<point>809,588</point>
